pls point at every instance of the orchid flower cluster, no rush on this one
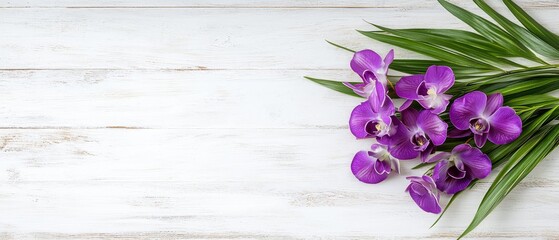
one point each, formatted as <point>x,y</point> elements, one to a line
<point>407,133</point>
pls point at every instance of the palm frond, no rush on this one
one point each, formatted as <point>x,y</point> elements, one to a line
<point>334,85</point>
<point>486,60</point>
<point>532,25</point>
<point>523,35</point>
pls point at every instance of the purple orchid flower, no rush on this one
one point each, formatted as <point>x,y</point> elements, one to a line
<point>372,118</point>
<point>457,169</point>
<point>429,89</point>
<point>372,69</point>
<point>375,165</point>
<point>417,134</point>
<point>425,194</point>
<point>486,118</point>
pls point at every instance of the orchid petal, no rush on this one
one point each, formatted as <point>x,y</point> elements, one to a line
<point>425,154</point>
<point>438,157</point>
<point>358,89</point>
<point>377,97</point>
<point>467,107</point>
<point>355,87</point>
<point>440,77</point>
<point>403,151</point>
<point>466,163</point>
<point>419,189</point>
<point>433,126</point>
<point>429,181</point>
<point>423,147</point>
<point>400,145</point>
<point>387,110</point>
<point>440,170</point>
<point>391,137</point>
<point>440,106</point>
<point>408,85</point>
<point>388,59</point>
<point>425,102</point>
<point>422,195</point>
<point>405,105</point>
<point>477,163</point>
<point>506,126</point>
<point>409,118</point>
<point>461,148</point>
<point>359,118</point>
<point>480,139</point>
<point>456,173</point>
<point>377,148</point>
<point>436,104</point>
<point>368,77</point>
<point>452,186</point>
<point>457,133</point>
<point>494,102</point>
<point>448,184</point>
<point>363,167</point>
<point>365,60</point>
<point>382,167</point>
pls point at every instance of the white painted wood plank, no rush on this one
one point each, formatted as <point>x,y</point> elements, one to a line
<point>235,152</point>
<point>201,38</point>
<point>234,183</point>
<point>172,99</point>
<point>251,3</point>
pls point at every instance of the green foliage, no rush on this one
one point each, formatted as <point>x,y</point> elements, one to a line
<point>485,60</point>
<point>334,85</point>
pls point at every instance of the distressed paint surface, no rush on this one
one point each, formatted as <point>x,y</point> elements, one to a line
<point>191,120</point>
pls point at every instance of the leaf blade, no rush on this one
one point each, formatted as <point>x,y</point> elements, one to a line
<point>532,25</point>
<point>334,85</point>
<point>523,35</point>
<point>429,50</point>
<point>440,41</point>
<point>542,145</point>
<point>490,31</point>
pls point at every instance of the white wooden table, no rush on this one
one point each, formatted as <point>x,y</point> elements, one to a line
<point>190,119</point>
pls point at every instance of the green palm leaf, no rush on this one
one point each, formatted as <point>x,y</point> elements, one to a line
<point>430,50</point>
<point>523,35</point>
<point>340,46</point>
<point>490,31</point>
<point>532,100</point>
<point>468,38</point>
<point>442,42</point>
<point>532,25</point>
<point>537,124</point>
<point>477,59</point>
<point>334,85</point>
<point>528,156</point>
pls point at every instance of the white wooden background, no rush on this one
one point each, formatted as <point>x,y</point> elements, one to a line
<point>191,120</point>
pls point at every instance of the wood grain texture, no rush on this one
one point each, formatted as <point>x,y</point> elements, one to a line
<point>171,99</point>
<point>230,183</point>
<point>244,4</point>
<point>202,39</point>
<point>192,120</point>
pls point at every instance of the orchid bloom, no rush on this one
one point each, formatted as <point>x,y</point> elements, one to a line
<point>375,165</point>
<point>456,170</point>
<point>372,118</point>
<point>425,194</point>
<point>372,69</point>
<point>417,134</point>
<point>486,117</point>
<point>428,90</point>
